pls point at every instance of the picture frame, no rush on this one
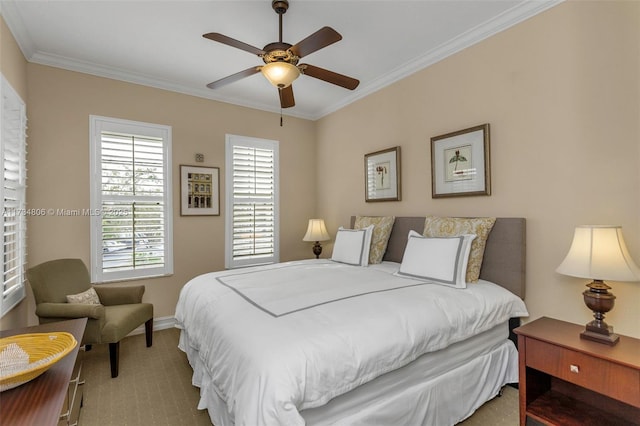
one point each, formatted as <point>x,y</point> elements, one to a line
<point>382,175</point>
<point>199,191</point>
<point>460,163</point>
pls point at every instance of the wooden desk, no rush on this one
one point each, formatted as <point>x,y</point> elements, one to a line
<point>41,401</point>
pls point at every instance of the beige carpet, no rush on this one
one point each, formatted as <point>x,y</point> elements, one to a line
<point>154,388</point>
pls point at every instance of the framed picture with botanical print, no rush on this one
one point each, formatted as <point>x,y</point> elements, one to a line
<point>382,175</point>
<point>460,163</point>
<point>199,191</point>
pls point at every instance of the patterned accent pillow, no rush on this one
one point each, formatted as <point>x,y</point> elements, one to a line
<point>381,231</point>
<point>89,297</point>
<point>454,226</point>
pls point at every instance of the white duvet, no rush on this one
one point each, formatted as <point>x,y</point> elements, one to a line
<point>282,338</point>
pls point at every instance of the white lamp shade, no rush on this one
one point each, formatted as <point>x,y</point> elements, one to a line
<point>599,252</point>
<point>280,74</point>
<point>316,231</point>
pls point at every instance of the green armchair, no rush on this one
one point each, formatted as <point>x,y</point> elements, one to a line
<point>120,310</point>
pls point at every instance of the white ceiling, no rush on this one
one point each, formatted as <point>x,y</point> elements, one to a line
<point>159,43</point>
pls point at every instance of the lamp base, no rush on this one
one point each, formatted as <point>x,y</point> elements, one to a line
<point>600,301</point>
<point>317,249</point>
<point>609,339</point>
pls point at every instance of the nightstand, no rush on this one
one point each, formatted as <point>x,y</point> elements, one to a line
<point>566,380</point>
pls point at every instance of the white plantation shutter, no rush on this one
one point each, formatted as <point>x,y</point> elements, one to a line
<point>13,149</point>
<point>252,201</point>
<point>131,196</point>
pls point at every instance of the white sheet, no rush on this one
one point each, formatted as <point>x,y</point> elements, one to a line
<point>444,400</point>
<point>439,388</point>
<point>268,368</point>
<point>426,368</point>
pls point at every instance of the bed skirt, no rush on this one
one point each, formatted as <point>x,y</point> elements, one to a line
<point>440,388</point>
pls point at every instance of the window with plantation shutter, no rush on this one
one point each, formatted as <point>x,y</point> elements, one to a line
<point>13,151</point>
<point>251,201</point>
<point>131,213</point>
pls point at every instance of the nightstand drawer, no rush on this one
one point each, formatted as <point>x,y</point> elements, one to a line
<point>617,381</point>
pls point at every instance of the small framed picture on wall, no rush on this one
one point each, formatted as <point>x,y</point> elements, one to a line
<point>199,191</point>
<point>382,175</point>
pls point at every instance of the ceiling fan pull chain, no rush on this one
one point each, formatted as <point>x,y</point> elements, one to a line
<point>280,116</point>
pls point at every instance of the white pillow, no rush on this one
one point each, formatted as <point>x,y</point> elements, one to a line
<point>442,260</point>
<point>352,246</point>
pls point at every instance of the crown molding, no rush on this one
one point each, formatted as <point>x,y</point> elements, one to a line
<point>518,13</point>
<point>114,73</point>
<point>17,27</point>
<point>507,19</point>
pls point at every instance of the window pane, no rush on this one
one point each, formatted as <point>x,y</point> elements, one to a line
<point>132,165</point>
<point>13,176</point>
<point>251,198</point>
<point>133,236</point>
<point>253,229</point>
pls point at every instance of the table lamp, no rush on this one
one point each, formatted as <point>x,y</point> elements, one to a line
<point>316,231</point>
<point>598,252</point>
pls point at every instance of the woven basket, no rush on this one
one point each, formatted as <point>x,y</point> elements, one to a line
<point>26,356</point>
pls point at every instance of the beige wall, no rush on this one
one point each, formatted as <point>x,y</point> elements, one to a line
<point>60,103</point>
<point>561,92</point>
<point>12,62</point>
<point>14,68</point>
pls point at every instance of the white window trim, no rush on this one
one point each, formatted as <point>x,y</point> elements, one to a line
<point>230,142</point>
<point>97,124</point>
<point>17,293</point>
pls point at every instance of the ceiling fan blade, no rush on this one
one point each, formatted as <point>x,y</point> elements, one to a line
<point>329,76</point>
<point>316,41</point>
<point>220,38</point>
<point>233,77</point>
<point>286,97</point>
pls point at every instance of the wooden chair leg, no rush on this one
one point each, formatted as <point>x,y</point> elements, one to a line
<point>148,331</point>
<point>114,358</point>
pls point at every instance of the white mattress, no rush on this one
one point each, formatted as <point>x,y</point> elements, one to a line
<point>439,388</point>
<point>274,341</point>
<point>421,373</point>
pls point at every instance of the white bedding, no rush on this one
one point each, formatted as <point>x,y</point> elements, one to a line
<point>271,352</point>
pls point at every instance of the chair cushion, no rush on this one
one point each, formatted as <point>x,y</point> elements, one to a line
<point>121,320</point>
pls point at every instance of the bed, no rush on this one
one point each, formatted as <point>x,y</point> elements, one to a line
<point>322,342</point>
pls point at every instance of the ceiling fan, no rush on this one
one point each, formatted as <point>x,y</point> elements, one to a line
<point>281,59</point>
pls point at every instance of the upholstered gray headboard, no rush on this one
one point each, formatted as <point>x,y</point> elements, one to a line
<point>504,256</point>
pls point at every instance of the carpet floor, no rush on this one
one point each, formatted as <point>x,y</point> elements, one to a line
<point>154,388</point>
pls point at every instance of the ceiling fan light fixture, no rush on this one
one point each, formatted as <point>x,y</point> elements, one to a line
<point>281,59</point>
<point>280,74</point>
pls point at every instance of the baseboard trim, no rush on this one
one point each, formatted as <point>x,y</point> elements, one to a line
<point>160,323</point>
